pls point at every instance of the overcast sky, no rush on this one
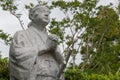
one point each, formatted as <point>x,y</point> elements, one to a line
<point>9,24</point>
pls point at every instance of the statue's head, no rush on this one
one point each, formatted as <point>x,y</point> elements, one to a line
<point>40,14</point>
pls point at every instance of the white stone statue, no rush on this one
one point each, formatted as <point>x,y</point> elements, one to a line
<point>34,55</point>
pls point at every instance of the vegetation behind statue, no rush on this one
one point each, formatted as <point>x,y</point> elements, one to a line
<point>99,43</point>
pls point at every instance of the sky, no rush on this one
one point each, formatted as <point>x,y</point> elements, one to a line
<point>9,23</point>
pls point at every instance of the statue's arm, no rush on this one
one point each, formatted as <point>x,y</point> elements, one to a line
<point>21,44</point>
<point>52,46</point>
<point>22,52</point>
<point>43,50</point>
<point>58,56</point>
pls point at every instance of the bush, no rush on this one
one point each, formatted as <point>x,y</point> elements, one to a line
<point>4,70</point>
<point>76,74</point>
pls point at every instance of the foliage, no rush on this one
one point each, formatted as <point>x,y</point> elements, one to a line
<point>101,42</point>
<point>7,5</point>
<point>96,30</point>
<point>87,29</point>
<point>76,74</point>
<point>70,28</point>
<point>91,30</point>
<point>6,37</point>
<point>4,71</point>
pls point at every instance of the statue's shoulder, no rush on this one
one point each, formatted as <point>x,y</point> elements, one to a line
<point>20,35</point>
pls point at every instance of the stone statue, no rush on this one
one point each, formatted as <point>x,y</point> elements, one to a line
<point>34,55</point>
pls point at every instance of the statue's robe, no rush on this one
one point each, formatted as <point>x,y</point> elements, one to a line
<point>27,58</point>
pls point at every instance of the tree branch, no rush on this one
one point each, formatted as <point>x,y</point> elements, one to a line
<point>63,66</point>
<point>18,20</point>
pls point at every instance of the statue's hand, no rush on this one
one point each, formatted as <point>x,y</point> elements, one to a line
<point>53,37</point>
<point>52,42</point>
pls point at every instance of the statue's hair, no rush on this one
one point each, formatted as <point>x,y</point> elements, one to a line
<point>32,10</point>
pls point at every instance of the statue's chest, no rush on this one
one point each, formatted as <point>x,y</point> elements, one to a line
<point>41,39</point>
<point>38,38</point>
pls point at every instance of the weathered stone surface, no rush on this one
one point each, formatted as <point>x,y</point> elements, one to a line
<point>34,55</point>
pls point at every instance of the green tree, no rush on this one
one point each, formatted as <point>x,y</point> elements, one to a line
<point>102,42</point>
<point>4,71</point>
<point>92,31</point>
<point>72,28</point>
<point>4,68</point>
<point>87,29</point>
<point>5,37</point>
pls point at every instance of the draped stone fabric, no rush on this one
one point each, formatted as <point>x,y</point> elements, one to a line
<point>28,57</point>
<point>34,55</point>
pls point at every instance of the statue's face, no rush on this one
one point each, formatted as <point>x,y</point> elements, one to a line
<point>41,15</point>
